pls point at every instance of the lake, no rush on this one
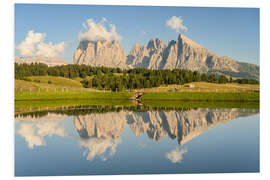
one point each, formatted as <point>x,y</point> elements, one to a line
<point>93,140</point>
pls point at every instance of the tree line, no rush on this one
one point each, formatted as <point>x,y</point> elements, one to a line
<point>117,79</point>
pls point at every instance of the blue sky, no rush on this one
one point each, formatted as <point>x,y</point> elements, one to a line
<point>232,32</point>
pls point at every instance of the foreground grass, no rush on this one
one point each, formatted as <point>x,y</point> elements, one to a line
<point>32,106</point>
<point>153,96</point>
<point>202,96</point>
<point>203,104</point>
<point>40,106</point>
<point>68,95</point>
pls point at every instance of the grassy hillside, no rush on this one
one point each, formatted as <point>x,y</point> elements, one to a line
<point>21,84</point>
<point>59,81</point>
<point>206,87</point>
<point>59,88</point>
<point>44,83</point>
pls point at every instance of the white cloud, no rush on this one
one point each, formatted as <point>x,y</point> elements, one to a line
<point>28,46</point>
<point>98,31</point>
<point>176,155</point>
<point>50,50</point>
<point>34,45</point>
<point>176,23</point>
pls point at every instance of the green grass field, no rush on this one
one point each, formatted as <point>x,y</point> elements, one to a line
<point>59,81</point>
<point>201,96</point>
<point>37,93</point>
<point>206,87</point>
<point>49,84</point>
<point>31,106</point>
<point>203,104</point>
<point>67,95</point>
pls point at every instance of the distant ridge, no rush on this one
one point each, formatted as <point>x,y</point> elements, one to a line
<point>182,53</point>
<point>50,61</point>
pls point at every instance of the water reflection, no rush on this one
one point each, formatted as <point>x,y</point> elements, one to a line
<point>33,130</point>
<point>99,130</point>
<point>180,125</point>
<point>176,155</point>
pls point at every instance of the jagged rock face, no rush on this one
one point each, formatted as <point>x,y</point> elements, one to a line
<point>186,54</point>
<point>155,48</point>
<point>138,57</point>
<point>50,61</point>
<point>100,53</point>
<point>180,54</point>
<point>147,57</point>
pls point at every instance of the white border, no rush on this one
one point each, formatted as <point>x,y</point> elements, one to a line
<point>7,52</point>
<point>206,3</point>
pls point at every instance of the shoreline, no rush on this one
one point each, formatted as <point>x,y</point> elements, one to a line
<point>148,96</point>
<point>28,105</point>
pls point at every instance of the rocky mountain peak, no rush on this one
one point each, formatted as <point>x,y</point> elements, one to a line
<point>136,48</point>
<point>155,44</point>
<point>107,53</point>
<point>182,39</point>
<point>182,53</point>
<point>138,57</point>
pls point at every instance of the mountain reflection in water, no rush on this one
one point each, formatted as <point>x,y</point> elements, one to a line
<point>99,132</point>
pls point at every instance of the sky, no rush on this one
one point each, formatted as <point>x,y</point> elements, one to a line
<point>55,30</point>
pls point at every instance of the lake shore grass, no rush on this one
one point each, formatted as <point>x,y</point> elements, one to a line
<point>34,106</point>
<point>202,96</point>
<point>72,95</point>
<point>37,105</point>
<point>148,96</point>
<point>203,104</point>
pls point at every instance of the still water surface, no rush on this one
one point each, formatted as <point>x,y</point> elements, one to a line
<point>126,141</point>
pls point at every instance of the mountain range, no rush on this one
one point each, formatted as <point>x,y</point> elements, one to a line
<point>182,53</point>
<point>50,61</point>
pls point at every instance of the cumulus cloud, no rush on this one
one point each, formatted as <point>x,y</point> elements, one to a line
<point>176,155</point>
<point>176,23</point>
<point>28,46</point>
<point>50,50</point>
<point>34,45</point>
<point>99,31</point>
